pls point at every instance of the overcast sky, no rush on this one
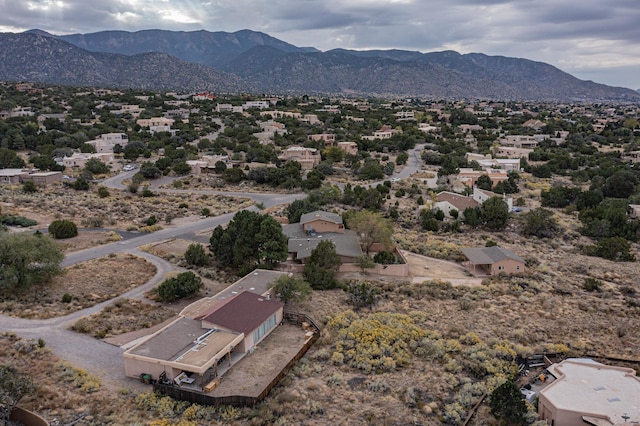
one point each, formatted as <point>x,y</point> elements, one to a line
<point>595,40</point>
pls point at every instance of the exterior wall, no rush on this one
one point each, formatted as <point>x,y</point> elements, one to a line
<point>135,367</point>
<point>321,226</point>
<point>509,266</point>
<point>350,148</point>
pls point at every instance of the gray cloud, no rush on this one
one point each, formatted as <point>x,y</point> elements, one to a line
<point>588,38</point>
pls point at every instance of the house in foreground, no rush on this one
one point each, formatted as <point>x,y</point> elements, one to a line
<point>585,392</point>
<point>208,338</point>
<point>493,261</point>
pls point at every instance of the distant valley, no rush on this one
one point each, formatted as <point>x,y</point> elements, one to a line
<point>254,62</point>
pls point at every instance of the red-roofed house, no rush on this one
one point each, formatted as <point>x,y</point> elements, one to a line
<point>248,313</point>
<point>193,351</point>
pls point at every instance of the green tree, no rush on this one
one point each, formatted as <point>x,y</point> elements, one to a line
<point>250,240</point>
<point>620,185</point>
<point>96,166</point>
<point>495,212</point>
<point>473,216</point>
<point>365,262</point>
<point>371,228</point>
<point>61,229</point>
<point>541,223</point>
<point>27,259</point>
<point>220,166</point>
<point>484,182</point>
<point>15,386</point>
<point>615,248</point>
<point>181,286</point>
<point>291,289</point>
<point>195,255</point>
<point>507,404</point>
<point>321,266</point>
<point>181,168</point>
<point>233,175</point>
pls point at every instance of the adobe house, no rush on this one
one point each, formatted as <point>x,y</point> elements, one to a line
<point>194,351</point>
<point>585,392</point>
<point>493,261</point>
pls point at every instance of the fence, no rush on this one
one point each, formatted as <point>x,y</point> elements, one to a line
<point>182,394</point>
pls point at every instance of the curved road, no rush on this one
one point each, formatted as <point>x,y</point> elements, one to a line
<point>105,360</point>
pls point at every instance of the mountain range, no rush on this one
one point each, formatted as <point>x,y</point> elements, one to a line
<point>254,62</point>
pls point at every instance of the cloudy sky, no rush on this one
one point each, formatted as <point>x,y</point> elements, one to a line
<point>592,39</point>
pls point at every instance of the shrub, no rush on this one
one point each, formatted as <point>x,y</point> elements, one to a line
<point>362,294</point>
<point>60,229</point>
<point>148,193</point>
<point>103,192</point>
<point>616,248</point>
<point>151,220</point>
<point>29,187</point>
<point>17,221</point>
<point>195,255</point>
<point>206,212</point>
<point>67,298</point>
<point>183,285</point>
<point>592,284</point>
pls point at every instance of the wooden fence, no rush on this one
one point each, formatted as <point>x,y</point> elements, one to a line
<point>192,396</point>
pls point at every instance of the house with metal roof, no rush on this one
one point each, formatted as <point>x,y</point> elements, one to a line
<point>493,261</point>
<point>586,392</point>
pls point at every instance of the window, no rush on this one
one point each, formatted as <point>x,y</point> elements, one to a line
<point>500,268</point>
<point>517,267</point>
<point>264,328</point>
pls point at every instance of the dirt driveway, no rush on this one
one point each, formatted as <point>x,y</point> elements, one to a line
<point>423,268</point>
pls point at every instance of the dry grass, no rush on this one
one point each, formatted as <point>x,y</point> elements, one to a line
<point>86,284</point>
<point>122,316</point>
<point>120,210</point>
<point>66,394</point>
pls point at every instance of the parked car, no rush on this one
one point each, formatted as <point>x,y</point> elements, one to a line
<point>129,167</point>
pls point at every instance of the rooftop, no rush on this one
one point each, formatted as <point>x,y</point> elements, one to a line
<point>186,342</point>
<point>321,215</point>
<point>595,389</point>
<point>303,244</point>
<point>489,255</point>
<point>242,313</point>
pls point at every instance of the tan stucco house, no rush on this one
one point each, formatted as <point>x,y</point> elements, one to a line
<point>585,392</point>
<point>493,261</point>
<point>210,335</point>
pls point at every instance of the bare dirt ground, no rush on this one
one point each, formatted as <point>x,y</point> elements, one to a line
<point>251,375</point>
<point>123,316</point>
<point>423,268</point>
<point>79,287</point>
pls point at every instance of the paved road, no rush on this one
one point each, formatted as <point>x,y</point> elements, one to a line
<point>103,359</point>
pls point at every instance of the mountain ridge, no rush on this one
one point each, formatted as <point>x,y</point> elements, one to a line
<point>249,60</point>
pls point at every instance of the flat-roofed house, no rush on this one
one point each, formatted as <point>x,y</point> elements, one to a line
<point>194,350</point>
<point>307,157</point>
<point>586,392</point>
